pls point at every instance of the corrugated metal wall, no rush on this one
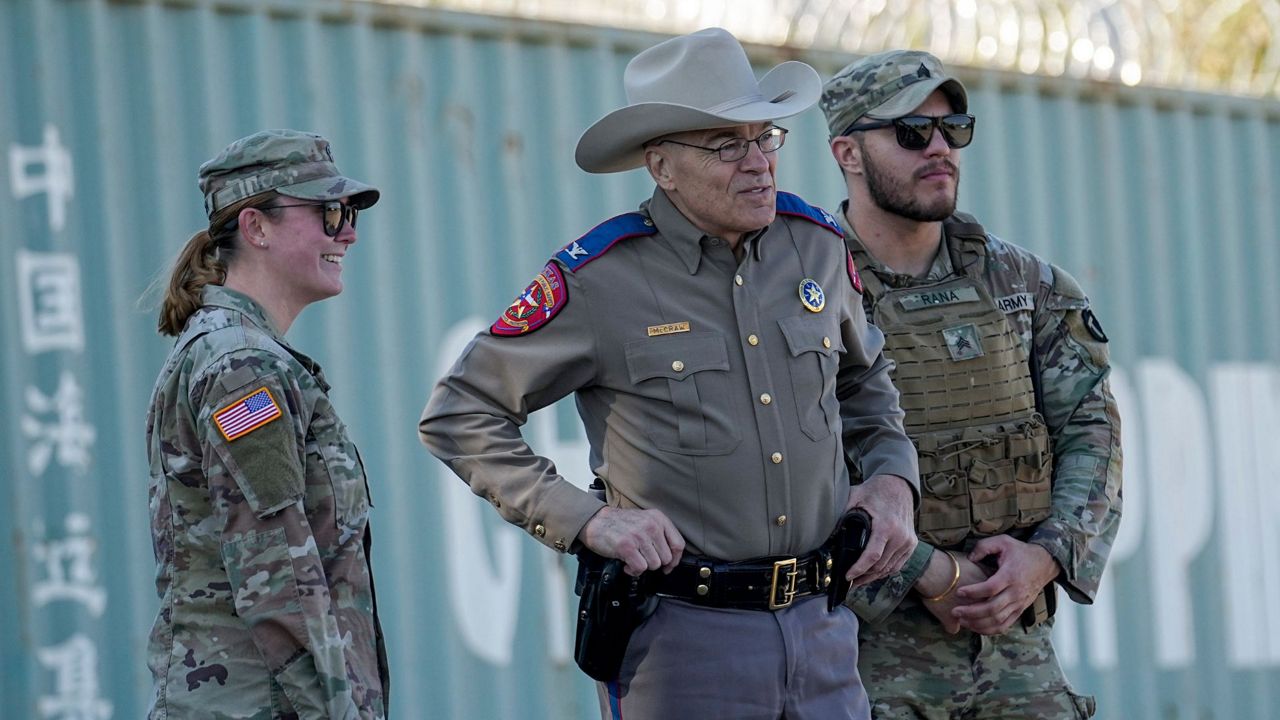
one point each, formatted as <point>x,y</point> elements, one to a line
<point>1163,204</point>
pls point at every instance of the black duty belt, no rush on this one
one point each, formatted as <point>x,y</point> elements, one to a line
<point>768,583</point>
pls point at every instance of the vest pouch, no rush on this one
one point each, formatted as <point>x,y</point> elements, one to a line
<point>994,496</point>
<point>943,518</point>
<point>1035,491</point>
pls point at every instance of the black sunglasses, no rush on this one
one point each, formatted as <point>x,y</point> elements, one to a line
<point>336,215</point>
<point>915,132</point>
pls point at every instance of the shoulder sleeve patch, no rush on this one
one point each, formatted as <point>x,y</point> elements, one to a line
<point>246,414</point>
<point>793,205</point>
<point>854,277</point>
<point>602,237</point>
<point>536,305</point>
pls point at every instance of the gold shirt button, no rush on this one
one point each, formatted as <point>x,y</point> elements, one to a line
<point>737,279</point>
<point>826,342</point>
<point>776,458</point>
<point>677,366</point>
<point>704,572</point>
<point>560,545</point>
<point>765,399</point>
<point>753,340</point>
<point>703,589</point>
<point>540,530</point>
<point>782,520</point>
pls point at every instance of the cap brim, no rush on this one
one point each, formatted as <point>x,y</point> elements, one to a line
<point>913,96</point>
<point>616,141</point>
<point>333,188</point>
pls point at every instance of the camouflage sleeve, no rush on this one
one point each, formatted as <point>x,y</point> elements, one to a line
<point>874,601</point>
<point>254,423</point>
<point>1071,350</point>
<point>472,420</point>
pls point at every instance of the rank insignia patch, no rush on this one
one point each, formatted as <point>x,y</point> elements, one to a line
<point>536,305</point>
<point>854,277</point>
<point>811,295</point>
<point>246,414</point>
<point>963,342</point>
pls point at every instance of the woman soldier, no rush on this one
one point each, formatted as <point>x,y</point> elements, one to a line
<point>259,504</point>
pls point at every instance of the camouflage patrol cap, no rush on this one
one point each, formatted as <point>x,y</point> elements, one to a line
<point>885,86</point>
<point>293,163</point>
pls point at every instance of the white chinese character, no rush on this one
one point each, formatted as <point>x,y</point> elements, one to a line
<point>75,667</point>
<point>49,301</point>
<point>68,572</point>
<point>57,180</point>
<point>67,433</point>
<point>68,569</point>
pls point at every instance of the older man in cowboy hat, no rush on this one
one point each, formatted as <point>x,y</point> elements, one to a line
<point>726,376</point>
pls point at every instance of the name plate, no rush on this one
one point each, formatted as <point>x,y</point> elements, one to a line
<point>669,328</point>
<point>934,298</point>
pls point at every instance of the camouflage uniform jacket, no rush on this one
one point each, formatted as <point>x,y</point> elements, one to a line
<point>261,542</point>
<point>1051,313</point>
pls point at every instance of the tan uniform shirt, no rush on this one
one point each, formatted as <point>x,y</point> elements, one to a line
<point>737,428</point>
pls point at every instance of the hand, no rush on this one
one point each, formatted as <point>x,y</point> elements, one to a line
<point>1023,569</point>
<point>643,539</point>
<point>937,578</point>
<point>888,500</point>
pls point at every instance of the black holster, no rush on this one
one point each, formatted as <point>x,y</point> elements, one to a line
<point>612,606</point>
<point>847,544</point>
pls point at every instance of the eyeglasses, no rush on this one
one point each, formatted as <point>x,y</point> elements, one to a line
<point>734,150</point>
<point>915,132</point>
<point>336,215</point>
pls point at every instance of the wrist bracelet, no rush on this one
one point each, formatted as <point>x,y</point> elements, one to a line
<point>955,579</point>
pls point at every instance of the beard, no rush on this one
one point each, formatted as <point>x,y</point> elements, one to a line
<point>893,195</point>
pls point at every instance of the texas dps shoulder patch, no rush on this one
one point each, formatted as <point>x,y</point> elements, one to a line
<point>535,306</point>
<point>246,414</point>
<point>854,277</point>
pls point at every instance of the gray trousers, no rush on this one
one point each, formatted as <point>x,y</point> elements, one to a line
<point>688,661</point>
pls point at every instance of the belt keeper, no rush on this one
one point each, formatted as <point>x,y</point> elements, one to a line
<point>955,579</point>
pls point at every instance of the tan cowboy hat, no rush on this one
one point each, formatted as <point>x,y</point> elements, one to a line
<point>692,82</point>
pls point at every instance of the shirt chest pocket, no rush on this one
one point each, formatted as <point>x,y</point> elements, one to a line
<point>685,380</point>
<point>335,474</point>
<point>815,356</point>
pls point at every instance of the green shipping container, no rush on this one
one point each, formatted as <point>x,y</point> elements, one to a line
<point>1162,203</point>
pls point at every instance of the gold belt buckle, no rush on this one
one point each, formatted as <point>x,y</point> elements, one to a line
<point>786,569</point>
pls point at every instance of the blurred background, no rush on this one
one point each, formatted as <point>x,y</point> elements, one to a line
<point>1134,143</point>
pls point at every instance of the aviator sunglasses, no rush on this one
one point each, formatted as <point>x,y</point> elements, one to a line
<point>915,132</point>
<point>336,215</point>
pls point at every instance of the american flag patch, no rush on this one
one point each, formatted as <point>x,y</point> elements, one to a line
<point>246,414</point>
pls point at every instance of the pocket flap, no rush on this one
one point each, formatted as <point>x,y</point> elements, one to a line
<point>811,333</point>
<point>676,357</point>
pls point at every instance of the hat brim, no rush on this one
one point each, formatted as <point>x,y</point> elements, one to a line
<point>333,188</point>
<point>616,141</point>
<point>913,96</point>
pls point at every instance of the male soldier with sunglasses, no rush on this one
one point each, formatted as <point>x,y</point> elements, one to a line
<point>1003,370</point>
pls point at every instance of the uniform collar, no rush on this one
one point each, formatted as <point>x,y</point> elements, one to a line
<point>685,238</point>
<point>223,297</point>
<point>228,299</point>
